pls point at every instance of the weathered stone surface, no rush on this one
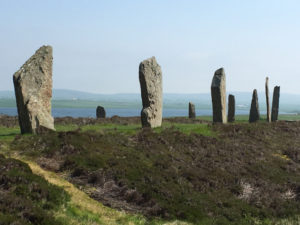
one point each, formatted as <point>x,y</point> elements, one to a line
<point>100,112</point>
<point>33,89</point>
<point>218,96</point>
<point>231,108</point>
<point>267,100</point>
<point>254,110</point>
<point>150,77</point>
<point>275,103</point>
<point>192,113</point>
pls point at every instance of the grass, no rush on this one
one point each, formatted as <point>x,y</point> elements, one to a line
<point>245,118</point>
<point>203,129</point>
<point>176,163</point>
<point>27,198</point>
<point>82,210</point>
<point>127,129</point>
<point>8,133</point>
<point>132,129</point>
<point>193,171</point>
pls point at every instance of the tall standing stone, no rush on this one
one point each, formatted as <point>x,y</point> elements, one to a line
<point>218,96</point>
<point>267,100</point>
<point>231,108</point>
<point>150,77</point>
<point>275,103</point>
<point>254,111</point>
<point>100,112</point>
<point>33,90</point>
<point>192,113</point>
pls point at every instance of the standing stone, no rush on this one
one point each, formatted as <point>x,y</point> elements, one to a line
<point>33,90</point>
<point>267,100</point>
<point>254,111</point>
<point>150,76</point>
<point>275,103</point>
<point>100,112</point>
<point>231,108</point>
<point>192,113</point>
<point>218,96</point>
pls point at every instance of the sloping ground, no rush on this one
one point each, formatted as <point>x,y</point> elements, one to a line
<point>204,174</point>
<point>32,195</point>
<point>82,209</point>
<point>26,198</point>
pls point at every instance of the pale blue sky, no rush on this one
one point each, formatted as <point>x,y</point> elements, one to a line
<point>98,45</point>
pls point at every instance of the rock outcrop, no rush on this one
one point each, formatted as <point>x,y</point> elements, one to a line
<point>231,108</point>
<point>192,113</point>
<point>254,110</point>
<point>150,77</point>
<point>33,90</point>
<point>275,103</point>
<point>218,96</point>
<point>267,100</point>
<point>100,112</point>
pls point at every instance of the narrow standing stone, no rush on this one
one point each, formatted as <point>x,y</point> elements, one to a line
<point>192,113</point>
<point>267,100</point>
<point>275,103</point>
<point>218,96</point>
<point>150,77</point>
<point>254,111</point>
<point>231,108</point>
<point>33,90</point>
<point>100,112</point>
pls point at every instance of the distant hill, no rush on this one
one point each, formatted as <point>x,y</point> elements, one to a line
<point>77,99</point>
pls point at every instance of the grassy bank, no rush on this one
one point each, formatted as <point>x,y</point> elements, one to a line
<point>186,170</point>
<point>27,198</point>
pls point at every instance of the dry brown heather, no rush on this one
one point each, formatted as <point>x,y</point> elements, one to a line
<point>231,175</point>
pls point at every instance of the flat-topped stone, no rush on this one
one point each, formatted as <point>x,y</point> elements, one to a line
<point>192,113</point>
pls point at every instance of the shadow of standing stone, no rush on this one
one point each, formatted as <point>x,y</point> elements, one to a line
<point>100,112</point>
<point>275,103</point>
<point>150,77</point>
<point>254,110</point>
<point>218,96</point>
<point>192,113</point>
<point>231,108</point>
<point>33,90</point>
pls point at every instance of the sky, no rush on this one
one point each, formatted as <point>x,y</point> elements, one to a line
<point>98,45</point>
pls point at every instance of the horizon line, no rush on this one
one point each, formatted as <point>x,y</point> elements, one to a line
<point>182,93</point>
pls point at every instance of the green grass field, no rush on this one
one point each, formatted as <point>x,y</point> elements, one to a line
<point>8,133</point>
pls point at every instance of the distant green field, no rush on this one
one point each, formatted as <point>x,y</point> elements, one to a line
<point>245,118</point>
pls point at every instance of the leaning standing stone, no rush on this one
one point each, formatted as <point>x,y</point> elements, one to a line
<point>192,113</point>
<point>100,112</point>
<point>33,90</point>
<point>231,108</point>
<point>150,77</point>
<point>218,95</point>
<point>275,103</point>
<point>254,111</point>
<point>267,100</point>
